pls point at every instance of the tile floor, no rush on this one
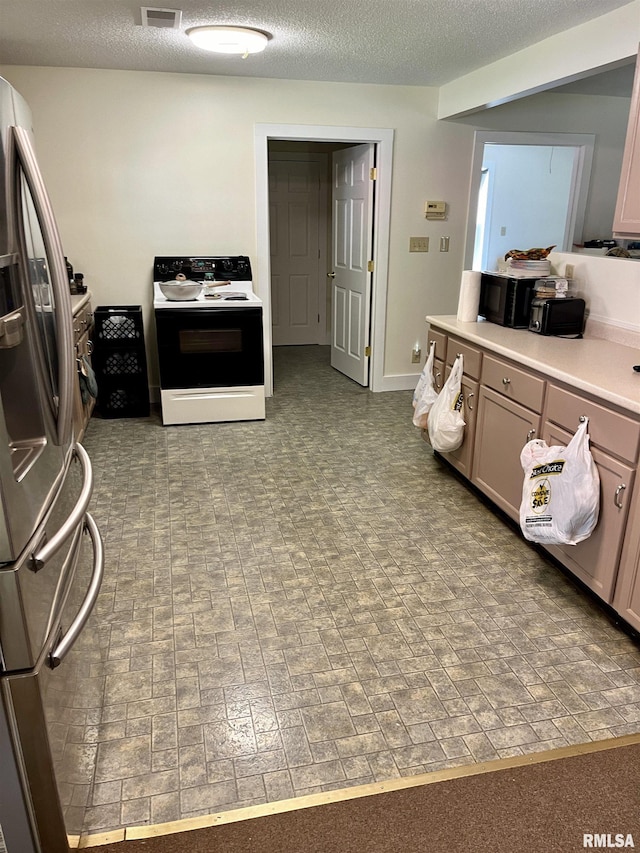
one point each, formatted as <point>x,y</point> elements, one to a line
<point>313,601</point>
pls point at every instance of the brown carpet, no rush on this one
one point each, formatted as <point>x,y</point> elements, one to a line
<point>539,808</point>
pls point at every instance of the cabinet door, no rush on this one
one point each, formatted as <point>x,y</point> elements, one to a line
<point>503,428</point>
<point>82,410</point>
<point>463,456</point>
<point>595,561</point>
<point>626,221</point>
<point>438,374</point>
<point>626,599</point>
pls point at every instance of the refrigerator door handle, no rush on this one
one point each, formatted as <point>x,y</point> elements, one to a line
<point>40,557</point>
<point>63,646</point>
<point>59,282</point>
<point>65,580</point>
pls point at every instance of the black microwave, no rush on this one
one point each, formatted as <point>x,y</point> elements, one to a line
<point>506,300</point>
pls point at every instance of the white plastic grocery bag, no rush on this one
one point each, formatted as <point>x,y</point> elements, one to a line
<point>445,421</point>
<point>560,492</point>
<point>425,394</point>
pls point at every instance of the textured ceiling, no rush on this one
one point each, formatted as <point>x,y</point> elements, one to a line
<point>411,42</point>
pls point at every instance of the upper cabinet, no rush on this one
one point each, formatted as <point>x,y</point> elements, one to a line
<point>626,221</point>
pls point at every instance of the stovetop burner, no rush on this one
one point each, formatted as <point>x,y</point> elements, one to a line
<point>226,279</point>
<point>202,267</point>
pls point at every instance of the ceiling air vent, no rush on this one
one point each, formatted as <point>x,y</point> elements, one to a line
<point>161,17</point>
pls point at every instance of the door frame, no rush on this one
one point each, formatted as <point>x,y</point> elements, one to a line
<point>583,142</point>
<point>383,139</point>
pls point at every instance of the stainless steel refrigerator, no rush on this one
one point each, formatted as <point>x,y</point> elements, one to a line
<point>51,552</point>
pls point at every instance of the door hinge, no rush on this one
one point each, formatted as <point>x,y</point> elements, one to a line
<point>370,266</point>
<point>367,352</point>
<point>373,174</point>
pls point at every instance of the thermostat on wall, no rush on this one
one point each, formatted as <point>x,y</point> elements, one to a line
<point>435,210</point>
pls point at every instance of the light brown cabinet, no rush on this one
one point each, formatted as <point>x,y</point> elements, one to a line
<point>627,592</point>
<point>626,221</point>
<point>595,560</point>
<point>516,404</point>
<point>508,416</point>
<point>82,330</point>
<point>503,428</point>
<point>614,442</point>
<point>462,458</point>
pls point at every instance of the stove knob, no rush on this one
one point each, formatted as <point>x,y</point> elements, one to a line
<point>163,269</point>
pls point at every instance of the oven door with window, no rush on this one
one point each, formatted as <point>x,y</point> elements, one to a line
<point>210,348</point>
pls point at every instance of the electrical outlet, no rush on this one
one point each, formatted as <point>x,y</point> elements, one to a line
<point>503,231</point>
<point>568,271</point>
<point>444,244</point>
<point>415,355</point>
<point>418,244</point>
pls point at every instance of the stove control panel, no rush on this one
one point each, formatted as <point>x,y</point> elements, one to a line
<point>203,267</point>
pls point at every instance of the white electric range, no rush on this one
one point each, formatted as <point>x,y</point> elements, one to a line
<point>210,349</point>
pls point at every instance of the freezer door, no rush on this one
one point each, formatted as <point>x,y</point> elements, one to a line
<point>56,707</point>
<point>16,818</point>
<point>31,589</point>
<point>36,342</point>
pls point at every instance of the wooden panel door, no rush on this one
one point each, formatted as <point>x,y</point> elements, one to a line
<point>294,219</point>
<point>503,428</point>
<point>352,247</point>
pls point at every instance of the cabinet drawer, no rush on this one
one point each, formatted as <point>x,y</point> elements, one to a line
<point>515,384</point>
<point>472,357</point>
<point>440,341</point>
<point>82,321</point>
<point>609,430</point>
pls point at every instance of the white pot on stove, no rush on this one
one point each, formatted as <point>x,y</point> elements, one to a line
<point>181,289</point>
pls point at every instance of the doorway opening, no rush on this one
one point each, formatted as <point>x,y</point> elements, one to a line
<point>310,313</point>
<point>527,190</point>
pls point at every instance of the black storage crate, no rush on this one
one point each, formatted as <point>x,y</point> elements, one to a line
<point>120,362</point>
<point>119,325</point>
<point>122,399</point>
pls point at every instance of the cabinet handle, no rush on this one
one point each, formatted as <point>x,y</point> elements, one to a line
<point>89,347</point>
<point>616,497</point>
<point>582,419</point>
<point>469,396</point>
<point>530,434</point>
<point>437,378</point>
<point>506,381</point>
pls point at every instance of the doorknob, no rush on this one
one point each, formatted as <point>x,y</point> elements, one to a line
<point>331,275</point>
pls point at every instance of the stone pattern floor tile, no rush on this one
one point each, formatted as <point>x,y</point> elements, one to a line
<point>313,601</point>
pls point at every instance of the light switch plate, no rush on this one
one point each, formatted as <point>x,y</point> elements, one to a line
<point>418,244</point>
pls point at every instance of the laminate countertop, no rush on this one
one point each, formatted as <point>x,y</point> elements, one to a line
<point>596,366</point>
<point>78,301</point>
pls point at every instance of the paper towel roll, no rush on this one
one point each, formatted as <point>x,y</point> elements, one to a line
<point>469,299</point>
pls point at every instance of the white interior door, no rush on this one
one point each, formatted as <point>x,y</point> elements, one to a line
<point>294,217</point>
<point>351,251</point>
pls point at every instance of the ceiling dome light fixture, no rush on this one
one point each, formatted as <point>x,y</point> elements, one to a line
<point>239,40</point>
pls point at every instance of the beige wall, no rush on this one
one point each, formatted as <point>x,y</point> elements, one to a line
<point>139,164</point>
